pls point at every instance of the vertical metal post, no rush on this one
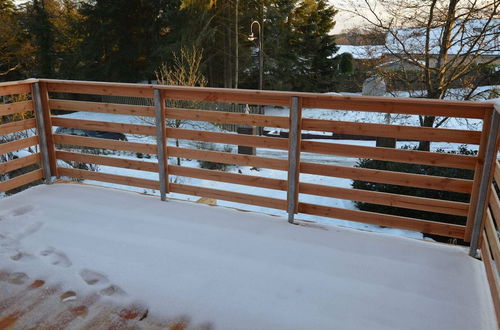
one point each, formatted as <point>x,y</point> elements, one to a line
<point>489,160</point>
<point>294,137</point>
<point>42,134</point>
<point>161,142</point>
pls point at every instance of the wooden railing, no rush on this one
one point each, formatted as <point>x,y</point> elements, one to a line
<point>173,103</point>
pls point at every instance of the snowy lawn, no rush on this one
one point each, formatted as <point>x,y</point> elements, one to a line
<point>238,270</point>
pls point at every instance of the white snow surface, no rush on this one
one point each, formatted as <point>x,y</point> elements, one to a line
<point>239,270</point>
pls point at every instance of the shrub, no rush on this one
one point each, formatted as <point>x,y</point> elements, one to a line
<point>213,165</point>
<point>413,191</point>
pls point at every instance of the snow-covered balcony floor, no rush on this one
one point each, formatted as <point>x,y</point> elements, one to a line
<point>220,268</point>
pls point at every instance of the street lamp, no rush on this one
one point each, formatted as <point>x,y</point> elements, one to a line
<point>252,37</point>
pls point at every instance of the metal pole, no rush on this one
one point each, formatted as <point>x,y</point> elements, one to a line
<point>489,160</point>
<point>161,142</point>
<point>42,135</point>
<point>293,158</point>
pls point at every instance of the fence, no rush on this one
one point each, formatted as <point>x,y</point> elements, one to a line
<point>173,103</point>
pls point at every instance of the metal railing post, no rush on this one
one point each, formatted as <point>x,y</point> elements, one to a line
<point>161,141</point>
<point>42,134</point>
<point>294,137</point>
<point>482,203</point>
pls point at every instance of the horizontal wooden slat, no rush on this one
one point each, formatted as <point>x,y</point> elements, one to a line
<point>19,163</point>
<point>21,180</point>
<point>13,89</point>
<point>227,95</point>
<point>81,87</point>
<point>237,139</point>
<point>228,117</point>
<point>389,154</point>
<point>104,143</point>
<point>110,178</point>
<point>228,158</point>
<point>104,126</point>
<point>108,161</point>
<point>395,200</point>
<point>429,227</point>
<point>412,106</point>
<point>18,144</point>
<point>492,276</point>
<point>228,196</point>
<point>17,107</point>
<point>495,205</point>
<point>248,180</point>
<point>389,177</point>
<point>113,108</point>
<point>492,235</point>
<point>17,126</point>
<point>392,131</point>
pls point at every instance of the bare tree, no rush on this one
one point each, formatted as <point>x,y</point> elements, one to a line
<point>446,44</point>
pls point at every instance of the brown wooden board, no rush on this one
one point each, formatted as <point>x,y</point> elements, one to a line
<point>21,180</point>
<point>104,143</point>
<point>100,107</point>
<point>105,126</point>
<point>389,154</point>
<point>395,200</point>
<point>18,144</point>
<point>17,107</point>
<point>228,117</point>
<point>111,178</point>
<point>429,227</point>
<point>393,131</point>
<point>228,158</point>
<point>19,163</point>
<point>17,126</point>
<point>108,161</point>
<point>389,177</point>
<point>228,196</point>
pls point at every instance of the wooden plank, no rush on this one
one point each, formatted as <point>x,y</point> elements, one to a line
<point>82,87</point>
<point>393,131</point>
<point>228,158</point>
<point>389,199</point>
<point>227,95</point>
<point>17,107</point>
<point>492,276</point>
<point>23,88</point>
<point>104,143</point>
<point>411,106</point>
<point>19,163</point>
<point>111,178</point>
<point>17,126</point>
<point>478,173</point>
<point>389,177</point>
<point>47,122</point>
<point>113,108</point>
<point>228,117</point>
<point>230,196</point>
<point>424,226</point>
<point>389,154</point>
<point>108,161</point>
<point>21,180</point>
<point>465,109</point>
<point>494,202</point>
<point>227,138</point>
<point>18,144</point>
<point>104,126</point>
<point>248,180</point>
<point>491,234</point>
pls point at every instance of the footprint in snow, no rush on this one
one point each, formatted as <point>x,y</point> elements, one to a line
<point>19,255</point>
<point>56,257</point>
<point>91,277</point>
<point>22,210</point>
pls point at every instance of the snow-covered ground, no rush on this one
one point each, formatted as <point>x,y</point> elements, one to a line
<point>237,270</point>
